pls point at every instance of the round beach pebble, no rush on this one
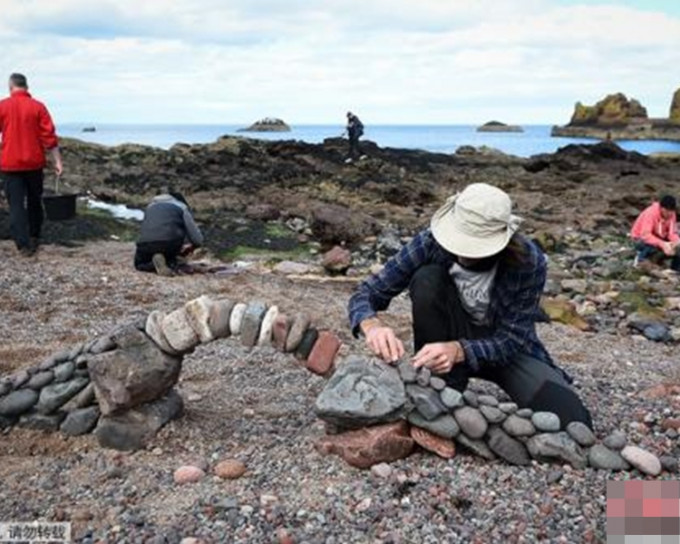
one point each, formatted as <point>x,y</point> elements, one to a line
<point>236,318</point>
<point>547,422</point>
<point>230,469</point>
<point>616,441</point>
<point>188,474</point>
<point>301,323</point>
<point>518,426</point>
<point>642,460</point>
<point>581,433</point>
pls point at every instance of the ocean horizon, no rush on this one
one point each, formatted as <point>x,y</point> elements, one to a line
<point>434,138</point>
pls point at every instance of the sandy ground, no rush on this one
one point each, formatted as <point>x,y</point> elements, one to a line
<point>256,406</point>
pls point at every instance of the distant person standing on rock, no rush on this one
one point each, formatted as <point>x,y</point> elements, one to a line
<point>475,285</point>
<point>655,233</point>
<point>168,231</point>
<point>27,133</point>
<point>355,130</point>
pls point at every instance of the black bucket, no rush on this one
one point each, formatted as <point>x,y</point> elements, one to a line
<point>60,207</point>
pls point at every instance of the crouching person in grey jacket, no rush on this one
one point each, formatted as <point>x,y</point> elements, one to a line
<point>167,226</point>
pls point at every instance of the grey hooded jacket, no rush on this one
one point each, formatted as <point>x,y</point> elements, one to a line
<point>167,219</point>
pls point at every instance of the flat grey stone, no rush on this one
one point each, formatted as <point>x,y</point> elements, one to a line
<point>602,458</point>
<point>64,371</point>
<point>616,441</point>
<point>134,429</point>
<point>546,422</point>
<point>80,421</point>
<point>102,344</point>
<point>40,380</point>
<point>507,448</point>
<point>83,399</point>
<point>75,351</point>
<point>41,422</point>
<point>478,447</point>
<point>407,371</point>
<point>423,378</point>
<point>470,398</point>
<point>360,393</point>
<point>56,395</point>
<point>252,319</point>
<point>492,414</point>
<point>471,422</point>
<point>437,383</point>
<point>488,400</point>
<point>20,378</point>
<point>61,356</point>
<point>556,447</point>
<point>451,398</point>
<point>48,363</point>
<point>526,413</point>
<point>508,407</point>
<point>518,426</point>
<point>444,426</point>
<point>426,401</point>
<point>581,433</point>
<point>18,402</point>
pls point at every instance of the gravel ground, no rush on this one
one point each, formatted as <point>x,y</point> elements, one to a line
<point>256,406</point>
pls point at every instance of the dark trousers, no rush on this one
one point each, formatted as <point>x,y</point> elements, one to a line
<point>438,316</point>
<point>24,193</point>
<point>146,251</point>
<point>647,252</point>
<point>354,150</point>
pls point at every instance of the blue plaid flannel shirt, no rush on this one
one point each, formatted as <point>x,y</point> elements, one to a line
<point>514,305</point>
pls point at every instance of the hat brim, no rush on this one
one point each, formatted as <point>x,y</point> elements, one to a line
<point>448,234</point>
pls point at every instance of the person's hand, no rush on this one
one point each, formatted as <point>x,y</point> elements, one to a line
<point>440,357</point>
<point>669,248</point>
<point>382,341</point>
<point>59,167</point>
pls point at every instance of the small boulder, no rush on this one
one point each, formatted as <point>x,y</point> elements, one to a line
<point>198,315</point>
<point>252,320</point>
<point>426,400</point>
<point>602,458</point>
<point>507,448</point>
<point>518,426</point>
<point>581,433</point>
<point>154,330</point>
<point>218,320</point>
<point>321,359</point>
<point>236,318</point>
<point>645,462</point>
<point>178,331</point>
<point>80,421</point>
<point>188,474</point>
<point>265,336</point>
<point>230,469</point>
<point>471,422</point>
<point>337,261</point>
<point>443,447</point>
<point>556,446</point>
<point>444,425</point>
<point>546,422</point>
<point>280,330</point>
<point>301,322</point>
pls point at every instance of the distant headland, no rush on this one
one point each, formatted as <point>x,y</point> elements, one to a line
<point>616,117</point>
<point>497,126</point>
<point>268,124</point>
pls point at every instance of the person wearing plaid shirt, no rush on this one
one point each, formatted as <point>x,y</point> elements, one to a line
<point>475,285</point>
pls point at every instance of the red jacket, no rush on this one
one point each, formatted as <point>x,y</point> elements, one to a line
<point>27,131</point>
<point>651,229</point>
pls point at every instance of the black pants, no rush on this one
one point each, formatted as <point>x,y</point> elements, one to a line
<point>24,193</point>
<point>146,251</point>
<point>648,252</point>
<point>354,150</point>
<point>438,316</point>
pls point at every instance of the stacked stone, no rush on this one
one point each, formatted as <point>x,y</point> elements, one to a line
<point>121,385</point>
<point>366,393</point>
<point>56,394</point>
<point>204,319</point>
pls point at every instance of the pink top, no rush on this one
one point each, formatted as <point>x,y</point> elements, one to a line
<point>651,229</point>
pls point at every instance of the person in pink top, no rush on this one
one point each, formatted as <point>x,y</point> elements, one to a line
<point>655,233</point>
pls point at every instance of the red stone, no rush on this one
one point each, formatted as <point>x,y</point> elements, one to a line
<point>369,446</point>
<point>280,331</point>
<point>337,259</point>
<point>322,356</point>
<point>431,442</point>
<point>670,423</point>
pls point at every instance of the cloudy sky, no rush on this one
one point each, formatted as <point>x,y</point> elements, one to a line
<point>308,61</point>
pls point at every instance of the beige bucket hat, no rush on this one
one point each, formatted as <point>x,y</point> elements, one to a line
<point>476,223</point>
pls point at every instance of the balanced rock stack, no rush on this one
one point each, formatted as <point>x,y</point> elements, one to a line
<point>390,409</point>
<point>120,385</point>
<point>205,319</point>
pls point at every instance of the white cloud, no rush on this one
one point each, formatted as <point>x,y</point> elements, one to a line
<point>396,61</point>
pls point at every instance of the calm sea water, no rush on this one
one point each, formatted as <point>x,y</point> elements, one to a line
<point>438,138</point>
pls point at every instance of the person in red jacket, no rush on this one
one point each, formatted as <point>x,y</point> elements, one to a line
<point>656,235</point>
<point>27,133</point>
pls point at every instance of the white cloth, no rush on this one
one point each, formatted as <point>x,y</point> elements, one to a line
<point>474,289</point>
